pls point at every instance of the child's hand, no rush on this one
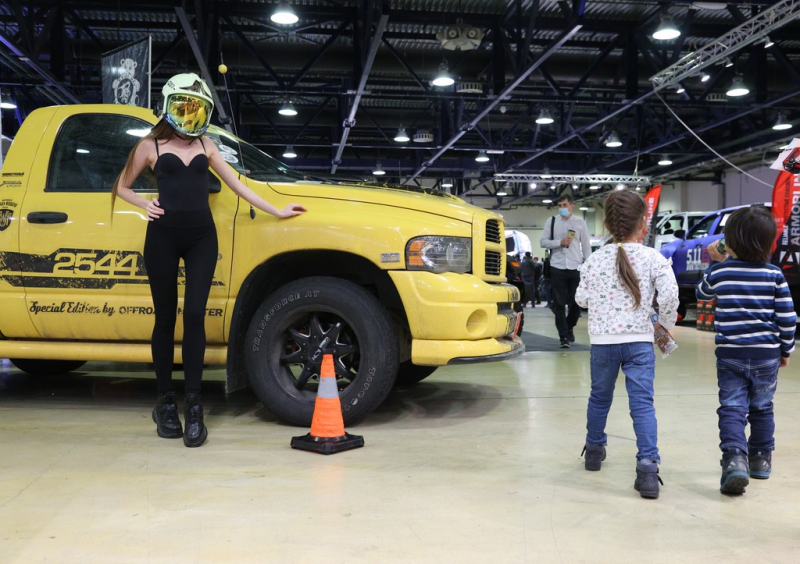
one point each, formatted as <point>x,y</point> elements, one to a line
<point>714,253</point>
<point>784,362</point>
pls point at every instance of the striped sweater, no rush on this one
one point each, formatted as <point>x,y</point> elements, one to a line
<point>755,314</point>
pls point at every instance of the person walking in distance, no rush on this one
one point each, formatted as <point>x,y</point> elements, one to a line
<point>527,272</point>
<point>756,324</point>
<point>538,268</point>
<point>181,227</point>
<point>617,284</point>
<point>568,240</point>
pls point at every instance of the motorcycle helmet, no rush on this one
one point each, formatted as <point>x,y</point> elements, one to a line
<point>187,104</point>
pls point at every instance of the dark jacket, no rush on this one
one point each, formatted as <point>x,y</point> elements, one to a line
<point>528,267</point>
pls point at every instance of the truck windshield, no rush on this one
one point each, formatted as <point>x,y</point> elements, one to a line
<point>249,161</point>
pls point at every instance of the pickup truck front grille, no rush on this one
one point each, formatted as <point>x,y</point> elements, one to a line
<point>493,231</point>
<point>493,263</point>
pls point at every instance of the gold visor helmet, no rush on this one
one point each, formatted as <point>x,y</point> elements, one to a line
<point>188,104</point>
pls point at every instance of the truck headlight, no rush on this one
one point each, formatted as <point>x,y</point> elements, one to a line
<point>439,254</point>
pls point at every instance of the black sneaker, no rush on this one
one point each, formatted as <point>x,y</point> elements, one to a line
<point>593,456</point>
<point>571,336</point>
<point>735,472</point>
<point>165,415</point>
<point>647,479</point>
<point>564,343</point>
<point>760,463</point>
<point>196,432</point>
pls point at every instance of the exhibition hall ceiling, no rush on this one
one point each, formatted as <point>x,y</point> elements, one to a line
<point>361,72</point>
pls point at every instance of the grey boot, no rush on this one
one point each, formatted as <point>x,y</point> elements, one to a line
<point>647,478</point>
<point>735,471</point>
<point>760,463</point>
<point>594,455</point>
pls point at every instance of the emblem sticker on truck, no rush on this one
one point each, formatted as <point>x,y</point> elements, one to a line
<point>78,269</point>
<point>6,213</point>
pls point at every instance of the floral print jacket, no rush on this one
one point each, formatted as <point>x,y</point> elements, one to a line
<point>612,317</point>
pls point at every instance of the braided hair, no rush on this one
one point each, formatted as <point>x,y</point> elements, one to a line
<point>624,213</point>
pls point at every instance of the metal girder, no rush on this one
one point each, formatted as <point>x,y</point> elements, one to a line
<point>350,121</point>
<point>190,37</point>
<point>575,178</point>
<point>62,94</point>
<point>749,32</point>
<point>249,46</point>
<point>554,46</point>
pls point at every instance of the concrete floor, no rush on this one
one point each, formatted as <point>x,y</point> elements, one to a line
<point>476,464</point>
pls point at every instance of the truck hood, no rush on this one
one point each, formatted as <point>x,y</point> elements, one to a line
<point>401,196</point>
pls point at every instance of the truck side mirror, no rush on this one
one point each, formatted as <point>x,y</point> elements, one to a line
<point>680,234</point>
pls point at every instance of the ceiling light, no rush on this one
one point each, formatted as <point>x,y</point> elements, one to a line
<point>666,30</point>
<point>447,183</point>
<point>728,63</point>
<point>680,89</point>
<point>423,136</point>
<point>613,141</point>
<point>583,208</point>
<point>638,187</point>
<point>620,186</point>
<point>547,201</point>
<point>137,132</point>
<point>378,171</point>
<point>544,118</point>
<point>284,14</point>
<point>443,77</point>
<point>664,160</point>
<point>574,186</point>
<point>82,151</point>
<point>552,186</point>
<point>402,136</point>
<point>737,88</point>
<point>781,123</point>
<point>502,193</point>
<point>768,42</point>
<point>705,78</point>
<point>532,186</point>
<point>594,187</point>
<point>7,104</point>
<point>482,157</point>
<point>287,109</point>
<point>289,153</point>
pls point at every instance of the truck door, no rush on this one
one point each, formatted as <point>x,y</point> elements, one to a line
<point>84,274</point>
<point>693,253</point>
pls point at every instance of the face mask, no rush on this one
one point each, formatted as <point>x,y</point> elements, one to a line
<point>564,212</point>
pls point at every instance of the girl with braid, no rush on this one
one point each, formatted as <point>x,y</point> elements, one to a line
<point>618,283</point>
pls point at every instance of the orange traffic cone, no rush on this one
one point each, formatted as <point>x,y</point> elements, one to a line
<point>327,434</point>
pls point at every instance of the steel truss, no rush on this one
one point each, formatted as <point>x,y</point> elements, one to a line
<point>574,178</point>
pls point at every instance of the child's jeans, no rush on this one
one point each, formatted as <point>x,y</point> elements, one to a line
<point>746,389</point>
<point>638,362</point>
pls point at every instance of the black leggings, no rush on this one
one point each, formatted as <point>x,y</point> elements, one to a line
<point>163,248</point>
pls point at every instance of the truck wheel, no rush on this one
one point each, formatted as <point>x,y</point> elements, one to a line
<point>39,367</point>
<point>409,374</point>
<point>292,329</point>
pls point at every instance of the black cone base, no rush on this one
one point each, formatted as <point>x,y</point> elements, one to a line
<point>328,445</point>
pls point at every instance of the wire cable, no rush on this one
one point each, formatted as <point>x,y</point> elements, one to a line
<point>689,129</point>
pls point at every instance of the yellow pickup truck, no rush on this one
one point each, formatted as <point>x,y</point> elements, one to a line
<point>392,280</point>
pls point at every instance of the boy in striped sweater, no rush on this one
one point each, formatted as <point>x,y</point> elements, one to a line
<point>755,326</point>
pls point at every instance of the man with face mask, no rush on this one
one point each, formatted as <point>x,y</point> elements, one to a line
<point>568,240</point>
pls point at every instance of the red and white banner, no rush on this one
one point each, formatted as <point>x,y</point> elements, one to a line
<point>786,210</point>
<point>651,201</point>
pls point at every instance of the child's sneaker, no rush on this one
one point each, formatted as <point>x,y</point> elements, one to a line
<point>735,471</point>
<point>594,455</point>
<point>760,463</point>
<point>647,478</point>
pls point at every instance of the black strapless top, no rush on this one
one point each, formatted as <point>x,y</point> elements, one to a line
<point>183,190</point>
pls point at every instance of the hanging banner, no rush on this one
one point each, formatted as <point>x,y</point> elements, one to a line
<point>786,210</point>
<point>126,74</point>
<point>651,203</point>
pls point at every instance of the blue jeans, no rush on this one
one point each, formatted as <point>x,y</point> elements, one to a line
<point>746,389</point>
<point>638,362</point>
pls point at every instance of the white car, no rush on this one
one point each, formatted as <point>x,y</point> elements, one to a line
<point>670,223</point>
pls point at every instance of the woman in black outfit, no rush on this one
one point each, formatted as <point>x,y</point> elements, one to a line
<point>182,227</point>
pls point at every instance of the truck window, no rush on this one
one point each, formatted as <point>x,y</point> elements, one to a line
<point>91,150</point>
<point>703,228</point>
<point>671,225</point>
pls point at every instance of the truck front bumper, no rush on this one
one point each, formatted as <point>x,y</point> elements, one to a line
<point>457,316</point>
